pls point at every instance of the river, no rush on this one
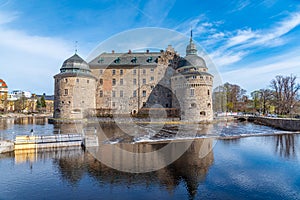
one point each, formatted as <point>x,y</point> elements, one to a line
<point>226,161</point>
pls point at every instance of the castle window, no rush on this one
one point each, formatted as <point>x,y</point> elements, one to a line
<point>134,81</point>
<point>113,72</point>
<point>144,81</point>
<point>101,93</point>
<point>121,71</point>
<point>144,104</point>
<point>152,70</point>
<point>134,72</point>
<point>101,81</point>
<point>208,105</point>
<point>121,93</point>
<point>114,82</point>
<point>152,78</point>
<point>66,80</point>
<point>144,93</point>
<point>194,77</point>
<point>134,93</point>
<point>144,71</point>
<point>192,92</point>
<point>66,91</point>
<point>88,81</point>
<point>202,113</point>
<point>77,80</point>
<point>121,81</point>
<point>152,87</point>
<point>149,60</point>
<point>113,93</point>
<point>208,92</point>
<point>62,102</point>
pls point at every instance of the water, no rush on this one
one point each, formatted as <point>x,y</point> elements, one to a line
<point>264,167</point>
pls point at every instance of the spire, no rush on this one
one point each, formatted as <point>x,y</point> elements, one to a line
<point>76,49</point>
<point>191,48</point>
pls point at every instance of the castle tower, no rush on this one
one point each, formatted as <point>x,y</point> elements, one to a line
<point>192,87</point>
<point>75,89</point>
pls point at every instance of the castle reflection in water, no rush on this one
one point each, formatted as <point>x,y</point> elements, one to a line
<point>191,168</point>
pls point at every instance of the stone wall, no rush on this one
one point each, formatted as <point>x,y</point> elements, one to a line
<point>75,96</point>
<point>281,123</point>
<point>196,105</point>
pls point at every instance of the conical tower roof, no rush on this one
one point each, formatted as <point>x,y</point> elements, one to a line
<point>75,62</point>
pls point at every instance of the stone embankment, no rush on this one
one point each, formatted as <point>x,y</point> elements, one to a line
<point>288,124</point>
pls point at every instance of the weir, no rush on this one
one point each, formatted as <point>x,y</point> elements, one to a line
<point>27,142</point>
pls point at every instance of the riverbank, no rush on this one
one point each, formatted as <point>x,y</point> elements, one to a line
<point>22,115</point>
<point>289,124</point>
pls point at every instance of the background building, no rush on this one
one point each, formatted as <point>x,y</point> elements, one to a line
<point>3,95</point>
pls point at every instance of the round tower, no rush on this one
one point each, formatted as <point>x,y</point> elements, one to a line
<point>74,90</point>
<point>192,87</point>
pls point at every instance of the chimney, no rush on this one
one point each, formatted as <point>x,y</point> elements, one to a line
<point>113,51</point>
<point>147,51</point>
<point>129,51</point>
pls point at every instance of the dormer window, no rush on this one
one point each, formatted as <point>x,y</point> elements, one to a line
<point>117,60</point>
<point>150,59</point>
<point>133,60</point>
<point>100,60</point>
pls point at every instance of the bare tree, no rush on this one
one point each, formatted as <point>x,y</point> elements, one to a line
<point>285,93</point>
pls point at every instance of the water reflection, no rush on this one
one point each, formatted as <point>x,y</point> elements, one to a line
<point>191,168</point>
<point>285,145</point>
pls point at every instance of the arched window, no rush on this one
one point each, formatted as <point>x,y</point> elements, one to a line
<point>202,113</point>
<point>208,105</point>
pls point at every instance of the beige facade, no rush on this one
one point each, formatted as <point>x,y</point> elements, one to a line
<point>131,83</point>
<point>75,88</point>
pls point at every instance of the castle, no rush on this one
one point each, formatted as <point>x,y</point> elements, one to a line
<point>135,82</point>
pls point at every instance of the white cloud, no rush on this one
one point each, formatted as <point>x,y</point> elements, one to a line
<point>279,30</point>
<point>241,37</point>
<point>241,41</point>
<point>29,61</point>
<point>221,58</point>
<point>6,17</point>
<point>240,5</point>
<point>258,74</point>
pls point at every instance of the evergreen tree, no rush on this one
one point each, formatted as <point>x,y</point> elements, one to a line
<point>43,102</point>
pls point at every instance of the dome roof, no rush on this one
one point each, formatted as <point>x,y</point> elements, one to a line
<point>75,62</point>
<point>2,84</point>
<point>193,61</point>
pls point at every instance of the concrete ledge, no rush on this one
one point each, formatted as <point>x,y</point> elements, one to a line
<point>287,124</point>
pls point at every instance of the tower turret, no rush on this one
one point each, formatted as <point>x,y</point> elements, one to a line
<point>75,88</point>
<point>192,86</point>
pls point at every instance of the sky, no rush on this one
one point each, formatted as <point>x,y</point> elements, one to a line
<point>244,42</point>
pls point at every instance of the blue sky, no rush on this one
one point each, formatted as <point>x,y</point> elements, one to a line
<point>249,42</point>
